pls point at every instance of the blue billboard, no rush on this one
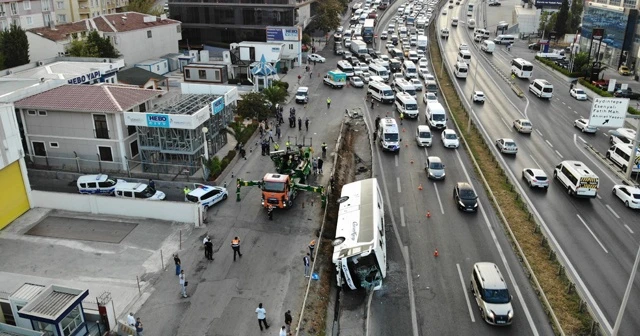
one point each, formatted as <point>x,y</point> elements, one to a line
<point>158,120</point>
<point>283,34</point>
<point>217,105</point>
<point>614,24</point>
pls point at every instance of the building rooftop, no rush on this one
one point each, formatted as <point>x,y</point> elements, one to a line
<point>110,23</point>
<point>185,104</point>
<point>27,292</point>
<point>64,70</point>
<point>9,330</point>
<point>89,98</point>
<point>53,303</point>
<point>138,76</point>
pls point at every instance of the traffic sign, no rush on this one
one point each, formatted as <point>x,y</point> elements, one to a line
<point>608,112</point>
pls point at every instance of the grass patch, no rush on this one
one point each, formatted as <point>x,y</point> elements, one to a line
<point>564,303</point>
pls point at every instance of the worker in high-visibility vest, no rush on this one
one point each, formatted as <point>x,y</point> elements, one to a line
<point>186,191</point>
<point>276,146</point>
<point>235,245</point>
<point>288,145</point>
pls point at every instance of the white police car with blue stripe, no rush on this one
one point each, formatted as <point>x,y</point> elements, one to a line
<point>207,195</point>
<point>97,184</point>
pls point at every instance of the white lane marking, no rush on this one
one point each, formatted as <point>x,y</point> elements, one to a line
<point>435,187</point>
<point>536,162</point>
<point>506,124</point>
<point>576,112</point>
<point>613,212</point>
<point>396,232</point>
<point>426,153</point>
<point>539,132</point>
<point>532,324</point>
<point>549,143</point>
<point>466,295</point>
<point>569,107</point>
<point>526,107</point>
<point>560,155</point>
<point>593,234</point>
<point>581,139</point>
<point>398,182</point>
<point>402,217</point>
<point>628,228</point>
<point>369,312</point>
<point>599,197</point>
<point>563,103</point>
<point>396,156</point>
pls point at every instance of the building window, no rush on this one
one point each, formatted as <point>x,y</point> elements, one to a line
<point>202,74</point>
<point>54,145</point>
<point>29,21</point>
<point>134,148</point>
<point>216,75</point>
<point>131,130</point>
<point>187,73</point>
<point>105,153</point>
<point>60,5</point>
<point>62,18</point>
<point>72,321</point>
<point>42,113</point>
<point>290,46</point>
<point>178,29</point>
<point>31,112</point>
<point>142,107</point>
<point>26,5</point>
<point>38,148</point>
<point>47,19</point>
<point>14,8</point>
<point>149,34</point>
<point>45,5</point>
<point>100,126</point>
<point>2,13</point>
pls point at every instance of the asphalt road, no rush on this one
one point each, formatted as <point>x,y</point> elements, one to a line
<point>597,237</point>
<point>439,287</point>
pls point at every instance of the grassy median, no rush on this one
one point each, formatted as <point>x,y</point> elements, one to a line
<point>559,291</point>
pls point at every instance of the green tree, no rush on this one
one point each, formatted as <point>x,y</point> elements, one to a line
<point>329,15</point>
<point>547,23</point>
<point>306,39</point>
<point>93,46</point>
<point>275,94</point>
<point>145,7</point>
<point>580,62</point>
<point>562,19</point>
<point>254,105</point>
<point>575,17</point>
<point>14,47</point>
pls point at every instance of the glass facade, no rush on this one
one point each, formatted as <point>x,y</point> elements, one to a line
<point>613,22</point>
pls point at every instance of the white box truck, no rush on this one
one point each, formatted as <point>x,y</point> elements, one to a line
<point>422,42</point>
<point>359,48</point>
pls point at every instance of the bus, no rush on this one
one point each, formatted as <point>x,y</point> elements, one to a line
<point>579,180</point>
<point>360,248</point>
<point>367,30</point>
<point>521,68</point>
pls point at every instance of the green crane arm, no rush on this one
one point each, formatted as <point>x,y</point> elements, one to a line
<point>242,183</point>
<point>315,189</point>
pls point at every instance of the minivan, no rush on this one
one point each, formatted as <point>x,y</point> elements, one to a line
<point>504,39</point>
<point>620,154</point>
<point>409,69</point>
<point>464,56</point>
<point>407,104</point>
<point>424,137</point>
<point>541,88</point>
<point>403,86</point>
<point>138,191</point>
<point>491,294</point>
<point>435,168</point>
<point>380,92</point>
<point>302,95</point>
<point>461,70</point>
<point>97,184</point>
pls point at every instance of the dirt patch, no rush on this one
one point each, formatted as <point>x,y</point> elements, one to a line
<point>348,165</point>
<point>554,283</point>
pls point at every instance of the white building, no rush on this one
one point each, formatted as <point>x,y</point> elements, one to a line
<point>136,36</point>
<point>27,14</point>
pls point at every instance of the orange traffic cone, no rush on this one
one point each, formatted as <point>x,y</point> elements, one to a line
<point>436,254</point>
<point>428,214</point>
<point>420,186</point>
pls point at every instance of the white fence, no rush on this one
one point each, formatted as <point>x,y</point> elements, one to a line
<point>183,212</point>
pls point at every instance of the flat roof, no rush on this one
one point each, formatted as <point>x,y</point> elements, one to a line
<point>27,292</point>
<point>62,70</point>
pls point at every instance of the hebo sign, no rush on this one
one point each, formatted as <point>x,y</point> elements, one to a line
<point>608,112</point>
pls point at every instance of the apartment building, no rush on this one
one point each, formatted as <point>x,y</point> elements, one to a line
<point>26,14</point>
<point>76,10</point>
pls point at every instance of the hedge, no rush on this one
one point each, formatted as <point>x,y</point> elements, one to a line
<point>603,93</point>
<point>557,67</point>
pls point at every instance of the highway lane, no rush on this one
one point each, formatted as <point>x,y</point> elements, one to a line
<point>441,284</point>
<point>583,234</point>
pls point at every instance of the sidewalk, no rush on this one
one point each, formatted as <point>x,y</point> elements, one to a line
<point>291,76</point>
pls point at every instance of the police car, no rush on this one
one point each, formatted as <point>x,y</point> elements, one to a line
<point>207,195</point>
<point>97,184</point>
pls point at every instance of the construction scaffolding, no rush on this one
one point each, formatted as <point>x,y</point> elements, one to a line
<point>180,151</point>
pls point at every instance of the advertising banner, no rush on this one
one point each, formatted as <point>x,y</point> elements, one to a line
<point>283,34</point>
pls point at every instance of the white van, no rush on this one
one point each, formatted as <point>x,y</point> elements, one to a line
<point>577,178</point>
<point>382,63</point>
<point>408,105</point>
<point>389,135</point>
<point>461,70</point>
<point>404,86</point>
<point>346,67</point>
<point>435,115</point>
<point>302,95</point>
<point>380,92</point>
<point>378,70</point>
<point>138,191</point>
<point>482,32</point>
<point>424,137</point>
<point>431,86</point>
<point>504,39</point>
<point>541,88</point>
<point>376,79</point>
<point>454,22</point>
<point>97,184</point>
<point>488,46</point>
<point>620,154</point>
<point>409,69</point>
<point>464,56</point>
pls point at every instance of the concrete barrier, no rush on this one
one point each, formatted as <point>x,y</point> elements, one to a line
<point>182,212</point>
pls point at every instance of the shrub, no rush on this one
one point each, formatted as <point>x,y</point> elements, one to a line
<point>234,81</point>
<point>558,68</point>
<point>594,88</point>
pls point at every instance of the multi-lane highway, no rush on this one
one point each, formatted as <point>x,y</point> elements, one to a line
<point>597,239</point>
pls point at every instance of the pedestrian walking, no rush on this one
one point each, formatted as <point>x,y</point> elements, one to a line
<point>131,320</point>
<point>299,78</point>
<point>401,117</point>
<point>183,283</point>
<point>262,317</point>
<point>310,74</point>
<point>176,261</point>
<point>315,62</point>
<point>328,103</point>
<point>278,132</point>
<point>139,327</point>
<point>307,263</point>
<point>312,246</point>
<point>372,103</point>
<point>314,165</point>
<point>152,184</point>
<point>377,122</point>
<point>306,123</point>
<point>287,321</point>
<point>271,135</point>
<point>235,245</point>
<point>324,149</point>
<point>299,124</point>
<point>208,250</point>
<point>320,163</point>
<point>186,191</point>
<point>283,331</point>
<point>375,136</point>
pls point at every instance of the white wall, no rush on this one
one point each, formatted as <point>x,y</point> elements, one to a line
<point>104,205</point>
<point>41,48</point>
<point>136,47</point>
<point>10,144</point>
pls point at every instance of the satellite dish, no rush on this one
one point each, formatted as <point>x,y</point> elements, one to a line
<point>337,241</point>
<point>343,199</point>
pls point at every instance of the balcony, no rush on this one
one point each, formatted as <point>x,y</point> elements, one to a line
<point>84,10</point>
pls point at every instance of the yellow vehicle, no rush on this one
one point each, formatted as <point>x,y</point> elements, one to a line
<point>624,70</point>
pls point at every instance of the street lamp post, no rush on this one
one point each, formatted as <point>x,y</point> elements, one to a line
<point>475,75</point>
<point>206,143</point>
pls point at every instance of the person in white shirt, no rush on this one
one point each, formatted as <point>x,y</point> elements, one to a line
<point>131,320</point>
<point>283,331</point>
<point>183,283</point>
<point>262,317</point>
